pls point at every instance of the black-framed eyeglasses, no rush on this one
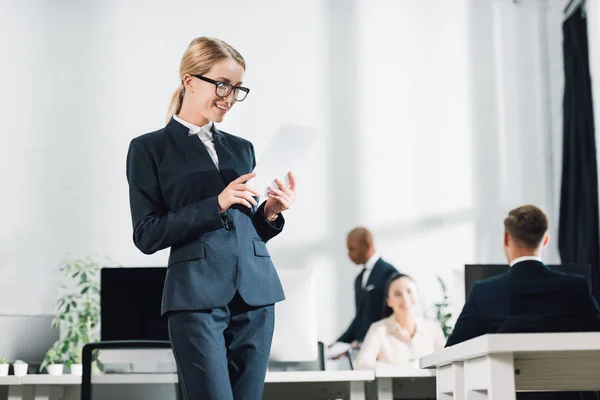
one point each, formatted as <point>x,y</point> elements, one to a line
<point>223,89</point>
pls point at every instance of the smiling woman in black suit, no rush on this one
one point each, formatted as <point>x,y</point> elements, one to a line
<point>188,191</point>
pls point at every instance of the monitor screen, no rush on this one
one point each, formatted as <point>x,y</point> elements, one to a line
<point>478,272</point>
<point>130,300</point>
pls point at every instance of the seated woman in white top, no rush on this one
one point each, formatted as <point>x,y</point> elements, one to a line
<point>402,337</point>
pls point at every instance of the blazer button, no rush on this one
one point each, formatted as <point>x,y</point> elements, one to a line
<point>227,222</point>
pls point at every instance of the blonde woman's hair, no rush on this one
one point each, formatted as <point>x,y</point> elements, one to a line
<point>198,59</point>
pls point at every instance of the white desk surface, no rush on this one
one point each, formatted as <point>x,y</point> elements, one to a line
<point>10,380</point>
<point>319,376</point>
<point>45,379</point>
<point>272,377</point>
<point>403,372</point>
<point>519,344</point>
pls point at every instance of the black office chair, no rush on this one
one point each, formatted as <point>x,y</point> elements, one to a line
<point>548,326</point>
<point>117,370</point>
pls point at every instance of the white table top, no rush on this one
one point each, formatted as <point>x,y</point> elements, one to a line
<point>319,376</point>
<point>10,380</point>
<point>162,378</point>
<point>516,343</point>
<point>45,379</point>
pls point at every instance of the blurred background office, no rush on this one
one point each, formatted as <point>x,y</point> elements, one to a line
<point>436,117</point>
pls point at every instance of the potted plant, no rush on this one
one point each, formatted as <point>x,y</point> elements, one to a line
<point>443,314</point>
<point>78,311</point>
<point>20,368</point>
<point>54,359</point>
<point>75,362</point>
<point>3,367</point>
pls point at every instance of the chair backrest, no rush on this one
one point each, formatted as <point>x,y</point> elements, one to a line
<point>129,370</point>
<point>317,365</point>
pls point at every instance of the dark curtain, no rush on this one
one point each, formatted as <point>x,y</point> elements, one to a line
<point>578,235</point>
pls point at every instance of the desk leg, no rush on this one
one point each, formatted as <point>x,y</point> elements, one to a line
<point>450,382</point>
<point>385,389</point>
<point>357,390</point>
<point>490,378</point>
<point>502,377</point>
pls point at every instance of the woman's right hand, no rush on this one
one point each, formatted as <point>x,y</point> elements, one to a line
<point>238,192</point>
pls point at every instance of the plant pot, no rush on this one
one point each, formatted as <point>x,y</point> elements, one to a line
<point>55,369</point>
<point>20,369</point>
<point>77,369</point>
<point>4,369</point>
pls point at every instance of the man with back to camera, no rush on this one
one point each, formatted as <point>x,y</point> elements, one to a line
<point>369,285</point>
<point>528,293</point>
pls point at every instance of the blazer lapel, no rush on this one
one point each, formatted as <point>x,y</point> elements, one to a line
<point>373,276</point>
<point>193,149</point>
<point>196,157</point>
<point>226,168</point>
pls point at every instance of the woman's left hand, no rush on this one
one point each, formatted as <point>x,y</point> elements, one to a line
<point>280,199</point>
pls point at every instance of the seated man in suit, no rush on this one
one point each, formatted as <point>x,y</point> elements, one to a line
<point>529,293</point>
<point>369,286</point>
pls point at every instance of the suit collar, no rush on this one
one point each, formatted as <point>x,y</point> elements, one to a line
<point>528,267</point>
<point>205,131</point>
<point>525,258</point>
<point>370,264</point>
<point>373,275</point>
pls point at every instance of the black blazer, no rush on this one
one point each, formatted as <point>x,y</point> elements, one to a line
<point>527,293</point>
<point>173,190</point>
<point>369,301</point>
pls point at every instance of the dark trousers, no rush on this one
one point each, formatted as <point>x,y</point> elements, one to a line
<point>222,354</point>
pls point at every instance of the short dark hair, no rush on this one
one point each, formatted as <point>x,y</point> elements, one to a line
<point>527,225</point>
<point>387,311</point>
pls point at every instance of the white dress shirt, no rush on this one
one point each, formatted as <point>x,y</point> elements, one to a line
<point>525,258</point>
<point>383,344</point>
<point>368,267</point>
<point>205,134</point>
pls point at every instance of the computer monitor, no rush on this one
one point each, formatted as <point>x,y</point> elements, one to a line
<point>130,303</point>
<point>478,272</point>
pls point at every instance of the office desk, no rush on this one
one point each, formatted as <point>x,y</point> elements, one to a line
<point>495,366</point>
<point>404,382</point>
<point>318,385</point>
<point>37,387</point>
<point>289,385</point>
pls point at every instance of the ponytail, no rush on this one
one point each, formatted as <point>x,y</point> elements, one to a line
<point>176,102</point>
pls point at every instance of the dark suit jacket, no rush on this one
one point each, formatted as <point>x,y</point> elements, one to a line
<point>173,189</point>
<point>528,292</point>
<point>369,301</point>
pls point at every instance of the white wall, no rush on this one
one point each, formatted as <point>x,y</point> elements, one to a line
<point>435,119</point>
<point>593,20</point>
